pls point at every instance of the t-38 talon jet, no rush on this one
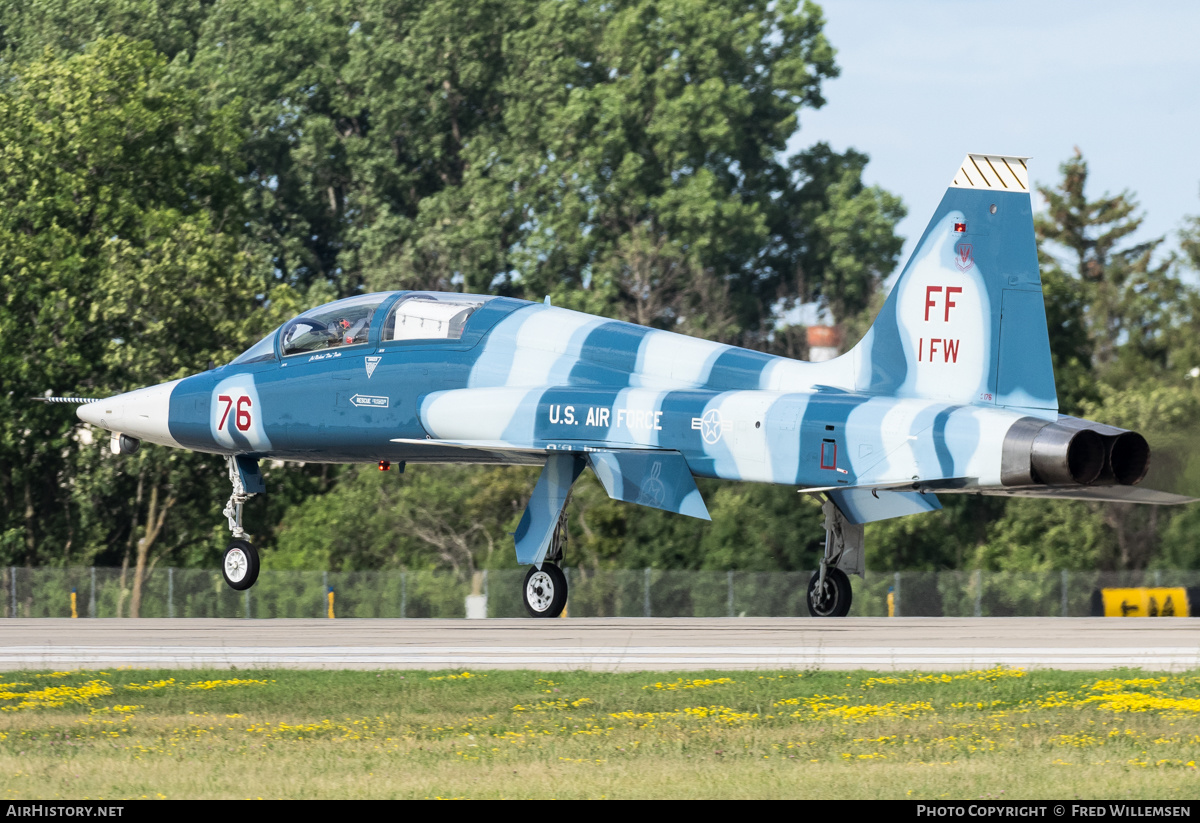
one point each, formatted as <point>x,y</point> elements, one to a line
<point>951,391</point>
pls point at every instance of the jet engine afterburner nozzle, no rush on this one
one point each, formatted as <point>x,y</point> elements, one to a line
<point>1061,457</point>
<point>1128,458</point>
<point>1072,452</point>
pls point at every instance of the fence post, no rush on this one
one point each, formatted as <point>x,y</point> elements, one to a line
<point>896,592</point>
<point>979,592</point>
<point>645,593</point>
<point>12,578</point>
<point>1064,592</point>
<point>324,588</point>
<point>92,596</point>
<point>729,581</point>
<point>246,601</point>
<point>171,591</point>
<point>403,593</point>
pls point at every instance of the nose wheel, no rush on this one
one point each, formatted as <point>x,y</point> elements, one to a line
<point>240,565</point>
<point>545,591</point>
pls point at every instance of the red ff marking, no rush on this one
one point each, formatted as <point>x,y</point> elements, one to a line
<point>242,419</point>
<point>930,302</point>
<point>950,290</point>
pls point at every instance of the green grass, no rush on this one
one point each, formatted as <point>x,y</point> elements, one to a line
<point>394,734</point>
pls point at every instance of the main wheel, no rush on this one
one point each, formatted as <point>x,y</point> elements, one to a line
<point>833,600</point>
<point>545,591</point>
<point>240,565</point>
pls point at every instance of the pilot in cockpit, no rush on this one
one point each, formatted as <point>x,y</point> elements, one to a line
<point>356,331</point>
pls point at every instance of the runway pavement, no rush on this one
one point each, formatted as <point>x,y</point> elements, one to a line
<point>615,644</point>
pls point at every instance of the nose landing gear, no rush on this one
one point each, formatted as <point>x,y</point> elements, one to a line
<point>240,564</point>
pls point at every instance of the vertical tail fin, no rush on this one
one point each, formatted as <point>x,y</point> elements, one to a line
<point>966,321</point>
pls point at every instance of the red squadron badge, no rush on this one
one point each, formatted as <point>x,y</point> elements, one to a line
<point>963,258</point>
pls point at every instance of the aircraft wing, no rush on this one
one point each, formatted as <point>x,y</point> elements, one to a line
<point>473,445</point>
<point>658,478</point>
<point>538,448</point>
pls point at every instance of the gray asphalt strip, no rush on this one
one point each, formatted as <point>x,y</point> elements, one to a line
<point>936,644</point>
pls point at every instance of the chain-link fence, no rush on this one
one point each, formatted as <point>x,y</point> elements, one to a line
<point>168,592</point>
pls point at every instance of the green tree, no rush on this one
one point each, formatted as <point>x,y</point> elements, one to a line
<point>119,266</point>
<point>219,165</point>
<point>1129,293</point>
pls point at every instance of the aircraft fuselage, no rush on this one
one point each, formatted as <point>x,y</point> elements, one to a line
<point>351,405</point>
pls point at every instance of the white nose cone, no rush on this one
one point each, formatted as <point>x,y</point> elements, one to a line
<point>94,412</point>
<point>143,414</point>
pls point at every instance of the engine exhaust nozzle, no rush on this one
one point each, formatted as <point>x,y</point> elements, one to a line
<point>1072,452</point>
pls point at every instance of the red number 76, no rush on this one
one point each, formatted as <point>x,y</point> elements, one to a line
<point>242,419</point>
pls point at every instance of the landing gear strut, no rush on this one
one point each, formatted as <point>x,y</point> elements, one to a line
<point>829,592</point>
<point>239,566</point>
<point>545,589</point>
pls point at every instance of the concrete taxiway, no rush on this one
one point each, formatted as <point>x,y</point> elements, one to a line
<point>598,644</point>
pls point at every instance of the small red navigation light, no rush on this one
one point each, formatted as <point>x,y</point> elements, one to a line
<point>384,465</point>
<point>960,228</point>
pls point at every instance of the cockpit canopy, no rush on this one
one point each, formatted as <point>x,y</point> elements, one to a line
<point>422,318</point>
<point>349,322</point>
<point>342,323</point>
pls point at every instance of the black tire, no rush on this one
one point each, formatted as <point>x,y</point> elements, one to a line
<point>239,565</point>
<point>544,592</point>
<point>835,599</point>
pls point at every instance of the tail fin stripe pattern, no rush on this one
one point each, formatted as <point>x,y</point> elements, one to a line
<point>1006,173</point>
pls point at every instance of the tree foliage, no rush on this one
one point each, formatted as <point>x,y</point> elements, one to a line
<point>121,268</point>
<point>180,176</point>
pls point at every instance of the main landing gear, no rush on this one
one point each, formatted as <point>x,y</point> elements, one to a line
<point>545,589</point>
<point>829,597</point>
<point>240,564</point>
<point>829,592</point>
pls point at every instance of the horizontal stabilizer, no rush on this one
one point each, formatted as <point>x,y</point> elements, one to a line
<point>1107,494</point>
<point>658,479</point>
<point>867,506</point>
